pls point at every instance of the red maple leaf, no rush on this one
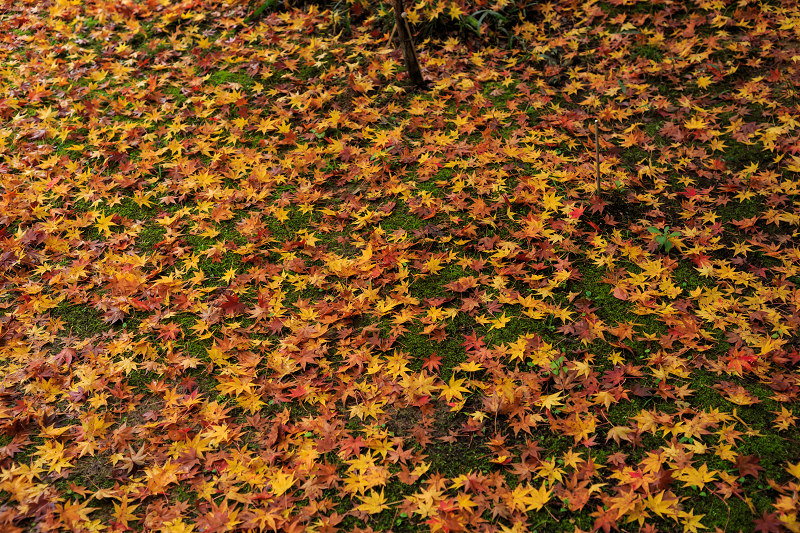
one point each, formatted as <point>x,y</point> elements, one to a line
<point>231,305</point>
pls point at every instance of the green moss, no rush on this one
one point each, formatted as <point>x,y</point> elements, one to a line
<point>730,515</point>
<point>206,383</point>
<point>648,52</point>
<point>176,93</point>
<point>457,459</point>
<point>216,269</point>
<point>735,210</point>
<point>611,309</point>
<point>81,206</point>
<point>150,236</point>
<point>401,218</point>
<point>220,77</point>
<point>688,279</point>
<point>652,127</point>
<point>90,23</point>
<point>420,347</point>
<point>501,94</point>
<point>138,379</point>
<point>227,230</point>
<point>433,285</point>
<point>738,155</point>
<point>620,413</point>
<point>519,326</point>
<point>81,320</point>
<point>130,210</point>
<point>632,157</point>
<point>184,495</point>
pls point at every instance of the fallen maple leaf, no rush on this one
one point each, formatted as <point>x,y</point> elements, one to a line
<point>373,503</point>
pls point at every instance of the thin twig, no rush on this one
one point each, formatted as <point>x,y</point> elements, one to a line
<point>597,152</point>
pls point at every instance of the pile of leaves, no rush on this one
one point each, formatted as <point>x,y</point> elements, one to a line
<point>252,280</point>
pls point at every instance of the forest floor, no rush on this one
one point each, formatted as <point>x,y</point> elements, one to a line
<point>252,279</point>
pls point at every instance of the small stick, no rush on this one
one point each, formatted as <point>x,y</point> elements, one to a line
<point>597,152</point>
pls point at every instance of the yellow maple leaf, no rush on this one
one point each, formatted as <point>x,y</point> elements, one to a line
<point>691,522</point>
<point>123,511</point>
<point>470,366</point>
<point>661,506</point>
<point>538,497</point>
<point>697,476</point>
<point>229,275</point>
<point>280,214</point>
<point>434,265</point>
<point>551,201</point>
<point>366,255</point>
<point>104,223</point>
<point>500,322</point>
<point>695,124</point>
<point>703,81</point>
<point>526,498</point>
<point>794,470</point>
<point>373,503</point>
<point>619,433</point>
<point>281,482</point>
<point>550,401</point>
<point>453,389</point>
<point>177,526</point>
